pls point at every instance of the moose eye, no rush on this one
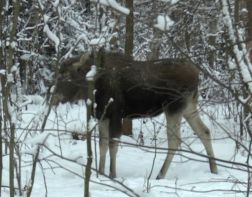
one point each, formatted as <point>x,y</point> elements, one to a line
<point>82,70</point>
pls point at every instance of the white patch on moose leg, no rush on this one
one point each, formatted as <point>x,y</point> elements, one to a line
<point>193,118</point>
<point>103,143</point>
<point>174,140</point>
<point>113,147</point>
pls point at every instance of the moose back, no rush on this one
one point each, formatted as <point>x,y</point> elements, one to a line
<point>137,89</point>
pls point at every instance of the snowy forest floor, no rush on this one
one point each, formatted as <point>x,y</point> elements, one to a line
<point>60,172</point>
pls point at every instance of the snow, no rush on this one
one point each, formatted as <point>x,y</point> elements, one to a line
<point>13,44</point>
<point>10,78</point>
<point>39,139</point>
<point>97,41</point>
<point>231,64</point>
<point>56,3</point>
<point>113,4</point>
<point>52,36</point>
<point>88,102</point>
<point>170,1</point>
<point>62,158</point>
<point>244,11</point>
<point>91,74</point>
<point>2,71</point>
<point>164,23</point>
<point>33,99</point>
<point>14,68</point>
<point>26,56</point>
<point>46,18</point>
<point>41,5</point>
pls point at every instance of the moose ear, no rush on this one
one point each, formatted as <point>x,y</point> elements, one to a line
<point>85,57</point>
<point>81,61</point>
<point>101,51</point>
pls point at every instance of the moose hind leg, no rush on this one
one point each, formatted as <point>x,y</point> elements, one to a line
<point>174,140</point>
<point>103,143</point>
<point>194,120</point>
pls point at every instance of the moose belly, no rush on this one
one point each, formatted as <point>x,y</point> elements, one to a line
<point>149,103</point>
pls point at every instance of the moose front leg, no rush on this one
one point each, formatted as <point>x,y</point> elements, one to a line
<point>113,147</point>
<point>103,143</point>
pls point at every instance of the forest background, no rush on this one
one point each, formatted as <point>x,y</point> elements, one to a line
<point>37,35</point>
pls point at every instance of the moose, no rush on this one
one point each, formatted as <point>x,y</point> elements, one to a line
<point>137,89</point>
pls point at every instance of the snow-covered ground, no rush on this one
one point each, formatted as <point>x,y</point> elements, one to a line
<point>60,173</point>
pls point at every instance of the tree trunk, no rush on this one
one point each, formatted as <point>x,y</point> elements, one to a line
<point>212,41</point>
<point>127,127</point>
<point>89,148</point>
<point>6,86</point>
<point>129,45</point>
<point>249,8</point>
<point>87,6</point>
<point>88,171</point>
<point>157,35</point>
<point>1,131</point>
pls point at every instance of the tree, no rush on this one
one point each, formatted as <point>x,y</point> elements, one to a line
<point>129,46</point>
<point>155,43</point>
<point>249,19</point>
<point>7,81</point>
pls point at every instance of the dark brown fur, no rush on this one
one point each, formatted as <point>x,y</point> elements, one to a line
<point>139,89</point>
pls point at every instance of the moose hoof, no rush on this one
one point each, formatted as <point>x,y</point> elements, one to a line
<point>214,170</point>
<point>213,167</point>
<point>112,175</point>
<point>160,176</point>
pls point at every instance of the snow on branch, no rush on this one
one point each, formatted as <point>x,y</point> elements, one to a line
<point>113,4</point>
<point>41,5</point>
<point>97,41</point>
<point>164,23</point>
<point>56,3</point>
<point>241,59</point>
<point>170,1</point>
<point>52,36</point>
<point>39,139</point>
<point>91,74</point>
<point>2,72</point>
